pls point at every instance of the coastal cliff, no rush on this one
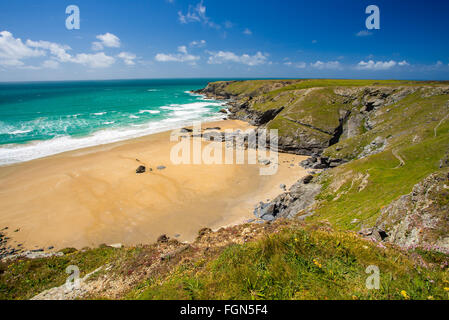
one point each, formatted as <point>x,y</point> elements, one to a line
<point>377,141</point>
<point>377,194</point>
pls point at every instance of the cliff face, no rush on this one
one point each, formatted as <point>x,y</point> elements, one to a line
<point>420,217</point>
<point>383,145</point>
<point>313,116</point>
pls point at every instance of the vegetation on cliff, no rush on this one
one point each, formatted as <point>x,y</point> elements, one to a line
<point>382,200</point>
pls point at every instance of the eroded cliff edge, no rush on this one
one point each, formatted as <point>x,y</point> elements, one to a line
<point>377,141</point>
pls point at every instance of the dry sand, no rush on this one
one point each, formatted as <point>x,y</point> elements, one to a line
<point>93,196</point>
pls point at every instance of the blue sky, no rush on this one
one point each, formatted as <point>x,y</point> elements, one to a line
<point>121,39</point>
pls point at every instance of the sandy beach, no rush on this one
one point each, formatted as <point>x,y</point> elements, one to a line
<point>93,196</point>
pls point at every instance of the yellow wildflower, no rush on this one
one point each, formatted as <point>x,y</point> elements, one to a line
<point>430,298</point>
<point>355,298</point>
<point>405,295</point>
<point>317,263</point>
<point>446,289</point>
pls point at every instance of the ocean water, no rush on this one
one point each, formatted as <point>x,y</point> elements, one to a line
<point>42,119</point>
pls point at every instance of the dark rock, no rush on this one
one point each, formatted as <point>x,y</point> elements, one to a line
<point>186,130</point>
<point>203,232</point>
<point>163,239</point>
<point>50,248</point>
<point>141,169</point>
<point>223,111</point>
<point>265,209</point>
<point>161,167</point>
<point>215,128</point>
<point>283,187</point>
<point>307,179</point>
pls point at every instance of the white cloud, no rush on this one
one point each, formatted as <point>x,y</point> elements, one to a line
<point>13,51</point>
<point>198,44</point>
<point>108,40</point>
<point>378,65</point>
<point>247,32</point>
<point>181,56</point>
<point>333,65</point>
<point>363,33</point>
<point>97,60</point>
<point>299,65</point>
<point>196,14</point>
<point>50,64</point>
<point>182,49</point>
<point>128,58</point>
<point>403,63</point>
<point>59,51</point>
<point>227,56</point>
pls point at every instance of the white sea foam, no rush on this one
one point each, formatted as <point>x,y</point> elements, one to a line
<point>180,115</point>
<point>99,113</point>
<point>20,132</point>
<point>10,154</point>
<point>149,111</point>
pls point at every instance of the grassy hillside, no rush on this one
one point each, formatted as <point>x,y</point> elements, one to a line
<point>390,135</point>
<point>310,262</point>
<point>283,260</point>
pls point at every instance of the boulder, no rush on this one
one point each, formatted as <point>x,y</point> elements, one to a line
<point>163,239</point>
<point>141,169</point>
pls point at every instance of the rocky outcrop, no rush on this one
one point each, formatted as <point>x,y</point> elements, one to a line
<point>301,129</point>
<point>421,217</point>
<point>299,198</point>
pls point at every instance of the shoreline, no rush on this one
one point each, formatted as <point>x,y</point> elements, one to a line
<point>11,154</point>
<point>92,196</point>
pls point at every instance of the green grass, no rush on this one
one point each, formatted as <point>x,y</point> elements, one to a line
<point>298,263</point>
<point>410,128</point>
<point>23,279</point>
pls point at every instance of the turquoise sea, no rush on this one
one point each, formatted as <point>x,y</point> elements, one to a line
<point>44,118</point>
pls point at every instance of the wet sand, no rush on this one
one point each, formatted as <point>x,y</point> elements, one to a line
<point>93,196</point>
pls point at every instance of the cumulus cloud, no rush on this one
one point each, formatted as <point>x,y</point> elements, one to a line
<point>332,65</point>
<point>13,51</point>
<point>377,65</point>
<point>58,50</point>
<point>198,44</point>
<point>181,56</point>
<point>128,58</point>
<point>97,60</point>
<point>108,40</point>
<point>227,56</point>
<point>50,64</point>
